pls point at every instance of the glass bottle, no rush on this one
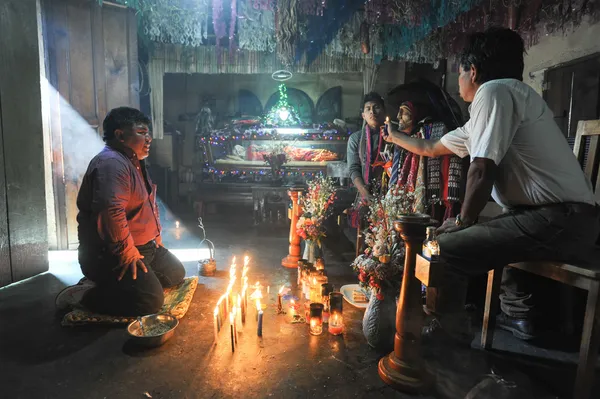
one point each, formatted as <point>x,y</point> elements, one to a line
<point>431,248</point>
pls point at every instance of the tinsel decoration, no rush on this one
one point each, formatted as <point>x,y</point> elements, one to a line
<point>287,30</point>
<point>218,20</point>
<point>365,44</point>
<point>282,114</point>
<point>256,27</point>
<point>347,41</point>
<point>379,11</point>
<point>263,5</point>
<point>232,23</point>
<point>171,21</point>
<point>311,7</point>
<point>320,31</point>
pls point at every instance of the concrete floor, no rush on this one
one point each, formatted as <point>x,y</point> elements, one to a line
<point>41,359</point>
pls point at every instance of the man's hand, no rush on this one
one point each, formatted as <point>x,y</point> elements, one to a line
<point>449,226</point>
<point>367,198</point>
<point>391,132</point>
<point>133,266</point>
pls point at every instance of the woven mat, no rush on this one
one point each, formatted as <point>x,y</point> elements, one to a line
<point>177,303</point>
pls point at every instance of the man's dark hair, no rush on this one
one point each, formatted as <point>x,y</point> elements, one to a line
<point>122,118</point>
<point>372,97</point>
<point>496,53</point>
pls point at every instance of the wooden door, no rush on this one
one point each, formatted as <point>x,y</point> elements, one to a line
<point>93,65</point>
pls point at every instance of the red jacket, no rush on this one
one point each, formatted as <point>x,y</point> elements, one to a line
<point>117,206</point>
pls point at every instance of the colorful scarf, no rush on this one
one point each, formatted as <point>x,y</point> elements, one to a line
<point>444,174</point>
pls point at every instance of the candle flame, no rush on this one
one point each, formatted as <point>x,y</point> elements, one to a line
<point>216,312</point>
<point>231,317</point>
<point>292,302</point>
<point>258,305</point>
<point>246,261</point>
<point>314,280</point>
<point>233,261</point>
<point>281,289</point>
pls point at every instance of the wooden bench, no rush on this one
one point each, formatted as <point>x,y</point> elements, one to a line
<point>584,276</point>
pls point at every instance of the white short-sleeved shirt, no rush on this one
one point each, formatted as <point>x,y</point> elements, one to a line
<point>512,125</point>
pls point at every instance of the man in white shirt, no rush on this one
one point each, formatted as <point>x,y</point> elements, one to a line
<point>519,156</point>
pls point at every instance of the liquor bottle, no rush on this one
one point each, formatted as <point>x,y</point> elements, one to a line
<point>431,248</point>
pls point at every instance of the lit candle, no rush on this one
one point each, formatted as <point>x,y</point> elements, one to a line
<point>260,319</point>
<point>242,308</point>
<point>293,308</point>
<point>313,290</point>
<point>316,318</point>
<point>336,324</point>
<point>216,323</point>
<point>231,328</point>
<point>279,305</point>
<point>234,312</point>
<point>238,310</point>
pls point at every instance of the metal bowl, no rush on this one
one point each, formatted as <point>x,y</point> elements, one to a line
<point>150,322</point>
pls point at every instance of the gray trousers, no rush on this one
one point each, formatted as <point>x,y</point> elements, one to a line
<point>565,232</point>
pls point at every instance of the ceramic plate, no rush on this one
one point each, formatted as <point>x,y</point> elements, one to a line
<point>347,290</point>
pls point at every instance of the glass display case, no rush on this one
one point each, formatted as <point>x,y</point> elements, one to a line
<point>281,153</point>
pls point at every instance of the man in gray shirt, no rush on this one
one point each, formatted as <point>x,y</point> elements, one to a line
<point>365,145</point>
<point>520,157</point>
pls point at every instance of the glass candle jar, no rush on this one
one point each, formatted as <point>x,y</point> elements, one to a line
<point>301,266</point>
<point>326,289</point>
<point>316,318</point>
<point>317,280</point>
<point>336,319</point>
<point>319,264</point>
<point>307,312</point>
<point>336,323</point>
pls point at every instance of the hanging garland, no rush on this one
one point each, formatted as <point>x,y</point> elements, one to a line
<point>312,7</point>
<point>256,27</point>
<point>531,19</point>
<point>171,21</point>
<point>287,30</point>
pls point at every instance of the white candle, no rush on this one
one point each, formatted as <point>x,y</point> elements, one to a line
<point>216,323</point>
<point>231,329</point>
<point>279,295</point>
<point>260,321</point>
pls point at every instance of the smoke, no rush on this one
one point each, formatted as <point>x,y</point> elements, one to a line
<point>78,140</point>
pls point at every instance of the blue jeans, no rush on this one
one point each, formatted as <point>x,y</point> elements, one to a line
<point>565,232</point>
<point>129,297</point>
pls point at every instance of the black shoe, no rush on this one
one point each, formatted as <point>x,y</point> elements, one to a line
<point>521,328</point>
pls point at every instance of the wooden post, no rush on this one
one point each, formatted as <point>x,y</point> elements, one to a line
<point>294,256</point>
<point>402,368</point>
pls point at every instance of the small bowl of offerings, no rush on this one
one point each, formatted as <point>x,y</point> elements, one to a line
<point>152,330</point>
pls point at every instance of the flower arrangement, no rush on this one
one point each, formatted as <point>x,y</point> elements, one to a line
<point>383,259</point>
<point>316,208</point>
<point>275,159</point>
